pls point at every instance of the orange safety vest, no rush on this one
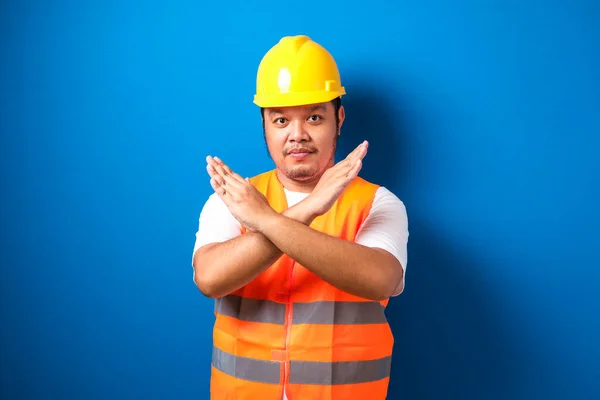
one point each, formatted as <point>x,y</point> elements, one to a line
<point>290,329</point>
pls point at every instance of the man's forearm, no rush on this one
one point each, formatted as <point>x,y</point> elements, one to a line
<point>222,268</point>
<point>351,267</point>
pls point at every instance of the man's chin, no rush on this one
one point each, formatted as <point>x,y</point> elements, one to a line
<point>301,173</point>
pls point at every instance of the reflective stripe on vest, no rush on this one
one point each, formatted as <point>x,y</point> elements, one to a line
<point>246,368</point>
<point>303,372</point>
<point>318,312</point>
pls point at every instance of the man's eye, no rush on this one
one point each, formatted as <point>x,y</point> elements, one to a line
<point>314,118</point>
<point>280,121</point>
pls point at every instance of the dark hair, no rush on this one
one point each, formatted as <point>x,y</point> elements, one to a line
<point>337,104</point>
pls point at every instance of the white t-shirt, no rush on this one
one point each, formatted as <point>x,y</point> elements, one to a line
<point>385,227</point>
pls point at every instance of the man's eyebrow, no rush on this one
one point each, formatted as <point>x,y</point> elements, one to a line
<point>319,107</point>
<point>274,111</point>
<point>271,112</point>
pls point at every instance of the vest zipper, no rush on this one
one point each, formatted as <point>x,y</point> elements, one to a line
<point>288,328</point>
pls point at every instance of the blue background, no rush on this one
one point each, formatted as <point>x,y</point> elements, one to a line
<point>483,117</point>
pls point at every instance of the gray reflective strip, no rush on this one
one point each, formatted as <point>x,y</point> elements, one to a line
<point>246,368</point>
<point>339,312</point>
<point>252,310</point>
<point>318,312</point>
<point>339,373</point>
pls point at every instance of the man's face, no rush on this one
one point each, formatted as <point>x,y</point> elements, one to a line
<point>302,139</point>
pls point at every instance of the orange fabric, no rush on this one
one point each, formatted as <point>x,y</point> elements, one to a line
<point>366,391</point>
<point>254,335</point>
<point>225,387</point>
<point>340,342</point>
<point>288,282</point>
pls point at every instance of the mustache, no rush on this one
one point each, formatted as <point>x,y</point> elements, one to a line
<point>308,148</point>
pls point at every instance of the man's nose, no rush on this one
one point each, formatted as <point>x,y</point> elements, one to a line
<point>298,132</point>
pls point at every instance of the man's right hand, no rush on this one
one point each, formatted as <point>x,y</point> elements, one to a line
<point>335,180</point>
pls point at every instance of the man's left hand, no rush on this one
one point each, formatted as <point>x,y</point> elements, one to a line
<point>246,204</point>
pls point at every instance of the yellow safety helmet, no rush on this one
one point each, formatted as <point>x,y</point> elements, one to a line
<point>297,71</point>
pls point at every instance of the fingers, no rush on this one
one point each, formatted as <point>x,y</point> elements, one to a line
<point>214,174</point>
<point>351,171</point>
<point>354,161</point>
<point>228,170</point>
<point>355,169</point>
<point>358,149</point>
<point>228,193</point>
<point>221,173</point>
<point>352,153</point>
<point>348,170</point>
<point>357,154</point>
<point>361,151</point>
<point>218,188</point>
<point>228,185</point>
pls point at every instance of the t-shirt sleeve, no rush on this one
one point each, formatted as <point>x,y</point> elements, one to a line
<point>216,223</point>
<point>386,227</point>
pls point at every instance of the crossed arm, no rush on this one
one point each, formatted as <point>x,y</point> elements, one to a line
<point>222,268</point>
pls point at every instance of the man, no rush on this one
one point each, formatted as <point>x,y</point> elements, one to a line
<point>301,260</point>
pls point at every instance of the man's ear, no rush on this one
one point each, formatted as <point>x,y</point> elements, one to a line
<point>341,117</point>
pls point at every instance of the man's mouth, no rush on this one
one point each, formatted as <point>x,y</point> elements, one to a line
<point>299,153</point>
